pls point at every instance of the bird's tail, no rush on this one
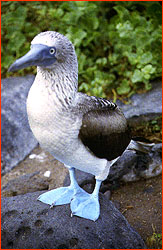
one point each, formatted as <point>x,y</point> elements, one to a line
<point>141,146</point>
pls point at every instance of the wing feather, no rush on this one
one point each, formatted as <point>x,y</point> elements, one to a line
<point>105,131</point>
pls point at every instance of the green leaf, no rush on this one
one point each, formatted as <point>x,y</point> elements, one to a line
<point>147,76</point>
<point>122,12</point>
<point>146,58</point>
<point>82,61</point>
<point>124,88</point>
<point>148,69</point>
<point>133,58</point>
<point>137,76</point>
<point>102,61</point>
<point>148,85</point>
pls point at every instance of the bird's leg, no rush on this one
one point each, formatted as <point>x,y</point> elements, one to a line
<point>73,181</point>
<point>62,195</point>
<point>87,206</point>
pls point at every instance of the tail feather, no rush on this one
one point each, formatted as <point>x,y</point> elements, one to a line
<point>140,146</point>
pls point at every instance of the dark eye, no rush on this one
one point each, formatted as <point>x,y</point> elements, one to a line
<point>52,51</point>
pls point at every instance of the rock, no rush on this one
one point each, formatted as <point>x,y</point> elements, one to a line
<point>29,175</point>
<point>146,165</point>
<point>25,184</point>
<point>17,138</point>
<point>29,224</point>
<point>107,194</point>
<point>144,107</point>
<point>133,166</point>
<point>123,165</point>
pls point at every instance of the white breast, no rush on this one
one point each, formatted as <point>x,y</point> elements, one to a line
<point>49,123</point>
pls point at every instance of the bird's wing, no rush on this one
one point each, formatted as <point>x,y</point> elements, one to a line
<point>104,129</point>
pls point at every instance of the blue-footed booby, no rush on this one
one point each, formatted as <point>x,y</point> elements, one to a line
<point>83,132</point>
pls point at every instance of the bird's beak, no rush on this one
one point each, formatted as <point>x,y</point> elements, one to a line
<point>35,57</point>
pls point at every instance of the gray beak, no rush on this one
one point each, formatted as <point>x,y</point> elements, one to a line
<point>37,56</point>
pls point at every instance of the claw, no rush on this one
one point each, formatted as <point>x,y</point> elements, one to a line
<point>53,204</point>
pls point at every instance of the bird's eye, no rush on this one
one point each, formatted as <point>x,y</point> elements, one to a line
<point>52,51</point>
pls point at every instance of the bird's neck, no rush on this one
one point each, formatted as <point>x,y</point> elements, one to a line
<point>61,82</point>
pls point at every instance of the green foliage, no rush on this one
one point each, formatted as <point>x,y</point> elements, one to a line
<point>155,241</point>
<point>118,44</point>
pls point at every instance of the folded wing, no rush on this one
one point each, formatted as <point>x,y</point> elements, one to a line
<point>105,131</point>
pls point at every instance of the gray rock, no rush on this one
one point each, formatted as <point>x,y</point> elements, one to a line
<point>144,107</point>
<point>23,184</point>
<point>133,166</point>
<point>123,166</point>
<point>17,138</point>
<point>145,165</point>
<point>29,224</point>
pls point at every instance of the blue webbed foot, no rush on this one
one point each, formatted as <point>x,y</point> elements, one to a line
<point>86,206</point>
<point>82,204</point>
<point>57,196</point>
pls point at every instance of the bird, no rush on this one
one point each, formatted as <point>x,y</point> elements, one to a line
<point>83,132</point>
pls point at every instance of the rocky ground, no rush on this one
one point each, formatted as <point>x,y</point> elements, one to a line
<point>141,204</point>
<point>30,224</point>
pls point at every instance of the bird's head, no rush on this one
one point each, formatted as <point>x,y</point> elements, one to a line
<point>48,49</point>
